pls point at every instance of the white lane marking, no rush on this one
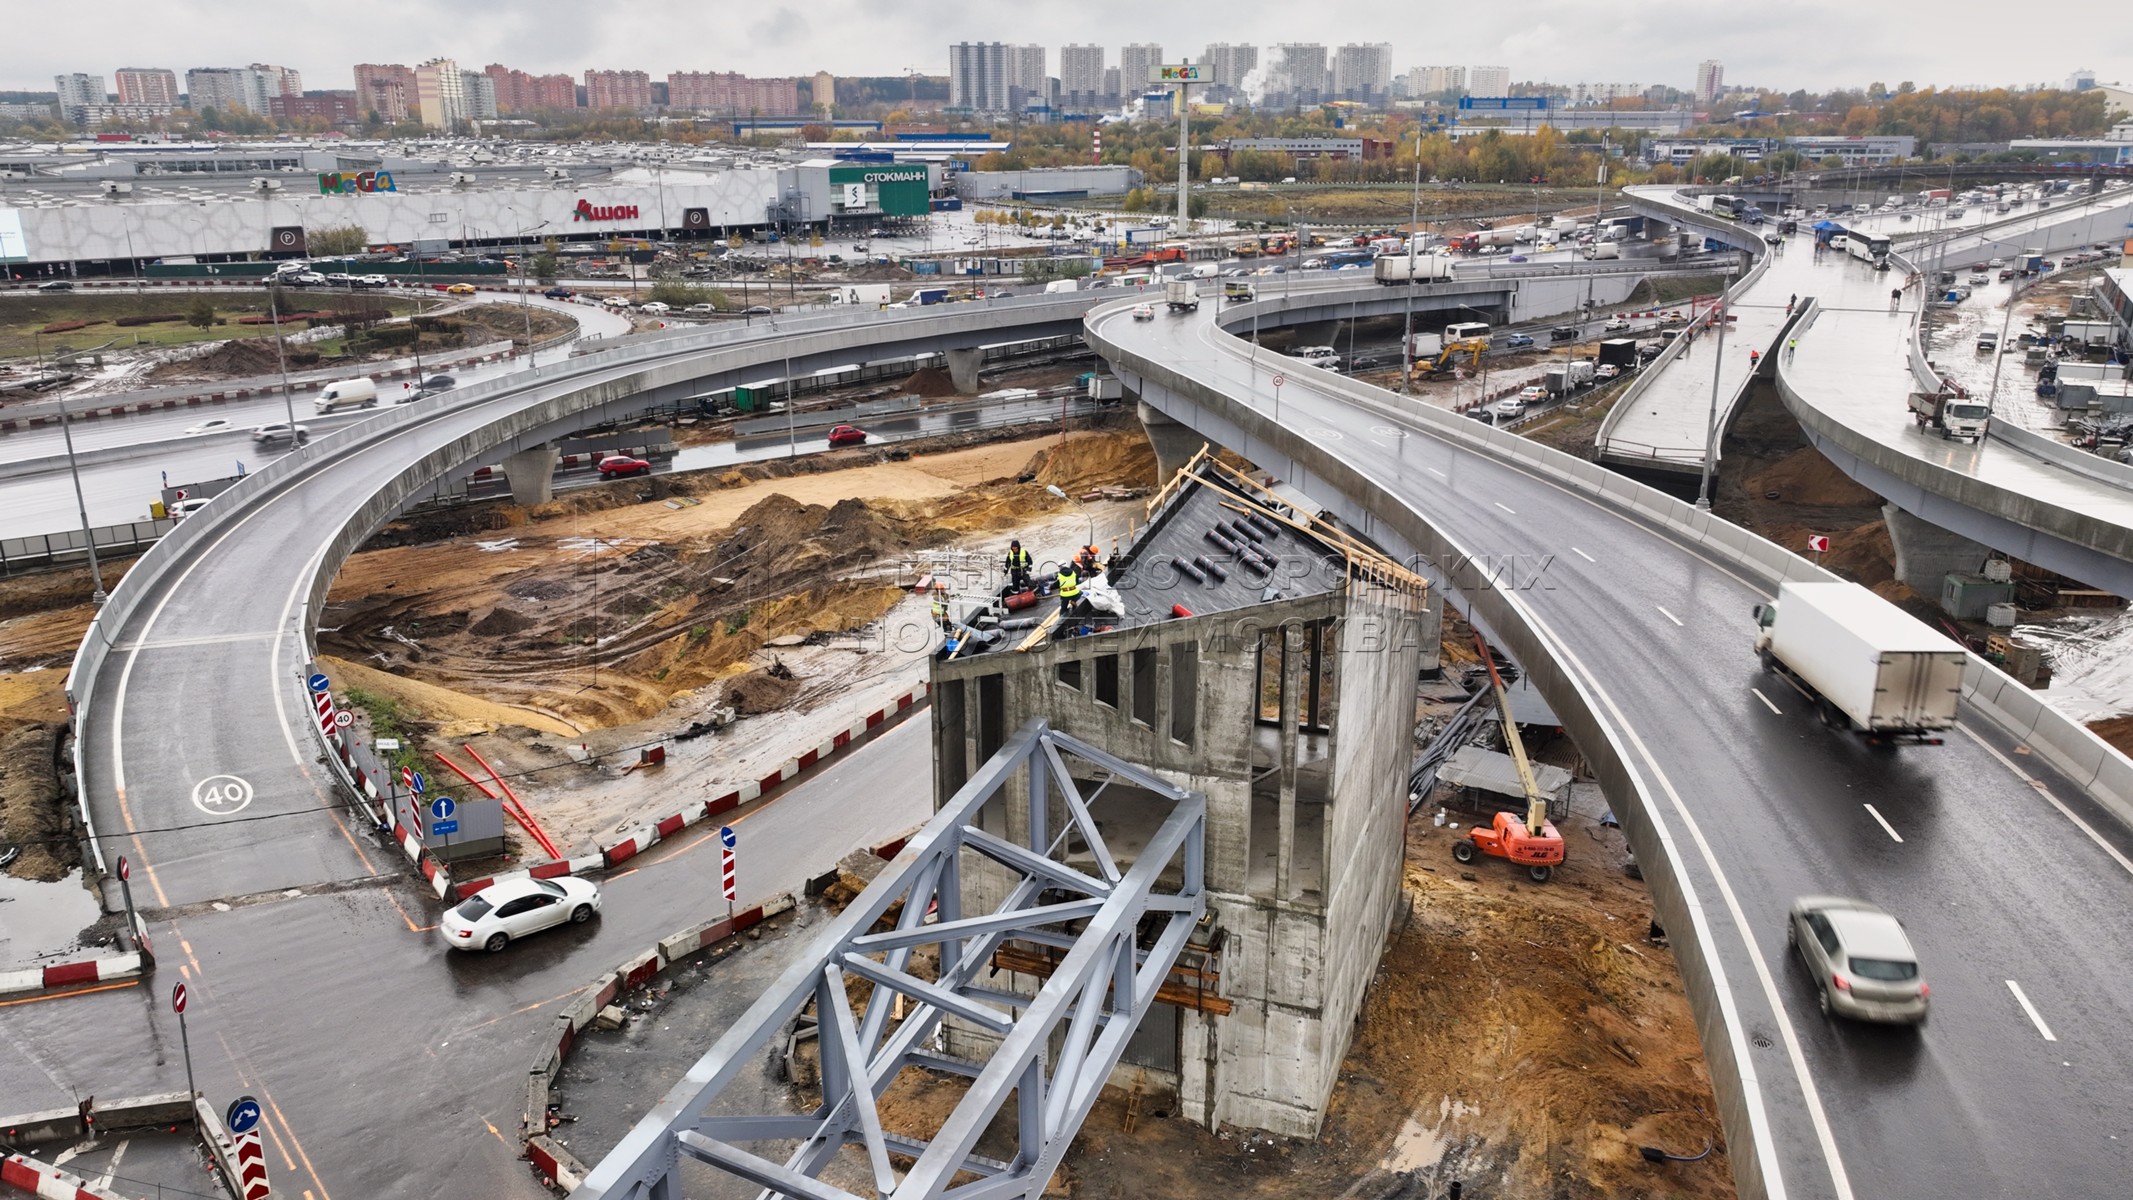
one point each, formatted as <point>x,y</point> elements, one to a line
<point>1380,445</point>
<point>1507,508</point>
<point>1669,616</point>
<point>2064,811</point>
<point>1436,472</point>
<point>1884,823</point>
<point>217,639</point>
<point>118,1155</point>
<point>1772,707</point>
<point>1581,554</point>
<point>1840,1180</point>
<point>2035,1018</point>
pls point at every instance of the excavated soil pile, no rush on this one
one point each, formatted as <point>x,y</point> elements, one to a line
<point>760,692</point>
<point>32,811</point>
<point>1805,477</point>
<point>2116,730</point>
<point>501,322</point>
<point>930,382</point>
<point>238,359</point>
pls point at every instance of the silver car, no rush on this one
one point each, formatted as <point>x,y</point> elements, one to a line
<point>1860,958</point>
<point>496,916</point>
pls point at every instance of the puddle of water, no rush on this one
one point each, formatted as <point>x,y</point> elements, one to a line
<point>1418,1145</point>
<point>39,921</point>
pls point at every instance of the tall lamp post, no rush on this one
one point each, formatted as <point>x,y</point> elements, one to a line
<point>1414,231</point>
<point>97,594</point>
<point>525,305</point>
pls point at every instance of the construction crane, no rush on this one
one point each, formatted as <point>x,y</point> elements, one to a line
<point>1534,842</point>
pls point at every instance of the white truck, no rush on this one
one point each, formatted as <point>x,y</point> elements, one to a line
<point>1602,250</point>
<point>875,294</point>
<point>1398,268</point>
<point>1866,665</point>
<point>1182,295</point>
<point>1952,415</point>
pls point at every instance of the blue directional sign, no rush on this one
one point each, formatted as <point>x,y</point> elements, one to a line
<point>441,828</point>
<point>243,1115</point>
<point>443,807</point>
<point>727,838</point>
<point>415,783</point>
<point>318,683</point>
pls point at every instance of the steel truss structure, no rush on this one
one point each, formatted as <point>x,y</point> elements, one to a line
<point>1121,929</point>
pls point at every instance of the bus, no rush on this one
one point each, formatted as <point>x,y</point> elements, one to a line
<point>1728,206</point>
<point>1467,331</point>
<point>1867,247</point>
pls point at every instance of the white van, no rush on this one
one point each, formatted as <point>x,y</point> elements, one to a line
<point>1062,285</point>
<point>347,393</point>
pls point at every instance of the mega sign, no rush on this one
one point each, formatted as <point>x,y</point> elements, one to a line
<point>1179,73</point>
<point>588,211</point>
<point>348,183</point>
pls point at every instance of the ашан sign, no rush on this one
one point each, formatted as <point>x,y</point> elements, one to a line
<point>588,211</point>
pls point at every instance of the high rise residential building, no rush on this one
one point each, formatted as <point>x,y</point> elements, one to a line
<point>1114,87</point>
<point>480,91</point>
<point>1295,76</point>
<point>732,93</point>
<point>1488,81</point>
<point>1137,64</point>
<point>1362,72</point>
<point>517,91</point>
<point>1432,81</point>
<point>1599,95</point>
<point>79,90</point>
<point>618,89</point>
<point>1229,64</point>
<point>334,108</point>
<point>276,81</point>
<point>2081,80</point>
<point>224,89</point>
<point>824,92</point>
<point>994,76</point>
<point>441,94</point>
<point>147,85</point>
<point>387,89</point>
<point>1710,80</point>
<point>1081,76</point>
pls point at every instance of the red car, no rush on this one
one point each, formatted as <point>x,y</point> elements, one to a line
<point>847,435</point>
<point>617,465</point>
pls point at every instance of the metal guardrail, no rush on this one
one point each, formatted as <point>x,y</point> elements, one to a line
<point>44,550</point>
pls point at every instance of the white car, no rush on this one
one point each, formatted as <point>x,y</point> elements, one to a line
<point>616,302</point>
<point>656,308</point>
<point>1606,371</point>
<point>217,425</point>
<point>497,915</point>
<point>280,431</point>
<point>1511,408</point>
<point>701,310</point>
<point>1144,312</point>
<point>1617,325</point>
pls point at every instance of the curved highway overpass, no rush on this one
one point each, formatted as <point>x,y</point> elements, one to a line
<point>1636,630</point>
<point>1737,800</point>
<point>1857,363</point>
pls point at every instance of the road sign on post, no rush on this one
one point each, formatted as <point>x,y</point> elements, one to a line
<point>727,838</point>
<point>247,1152</point>
<point>727,882</point>
<point>177,1005</point>
<point>134,928</point>
<point>318,683</point>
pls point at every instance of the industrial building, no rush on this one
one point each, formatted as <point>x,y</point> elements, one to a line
<point>1268,661</point>
<point>66,215</point>
<point>1047,184</point>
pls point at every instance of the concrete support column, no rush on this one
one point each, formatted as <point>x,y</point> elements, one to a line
<point>532,475</point>
<point>1294,648</point>
<point>963,369</point>
<point>1174,444</point>
<point>1926,554</point>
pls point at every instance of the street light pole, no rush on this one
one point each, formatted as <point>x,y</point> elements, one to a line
<point>1710,431</point>
<point>97,594</point>
<point>1414,226</point>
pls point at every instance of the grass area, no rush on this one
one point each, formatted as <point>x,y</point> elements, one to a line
<point>387,720</point>
<point>23,314</point>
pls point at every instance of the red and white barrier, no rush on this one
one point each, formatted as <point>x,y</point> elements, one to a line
<point>48,1182</point>
<point>648,836</point>
<point>59,975</point>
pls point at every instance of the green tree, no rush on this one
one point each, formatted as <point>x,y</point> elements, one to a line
<point>676,294</point>
<point>337,241</point>
<point>201,314</point>
<point>546,266</point>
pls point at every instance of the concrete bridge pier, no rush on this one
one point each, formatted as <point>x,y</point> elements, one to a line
<point>531,474</point>
<point>1926,554</point>
<point>963,369</point>
<point>1174,444</point>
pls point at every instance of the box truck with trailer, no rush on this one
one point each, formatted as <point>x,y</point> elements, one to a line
<point>1398,268</point>
<point>1866,665</point>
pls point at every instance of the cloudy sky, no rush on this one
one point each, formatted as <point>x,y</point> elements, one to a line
<point>1817,44</point>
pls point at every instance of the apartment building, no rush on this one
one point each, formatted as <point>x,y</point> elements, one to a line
<point>1136,66</point>
<point>618,89</point>
<point>387,89</point>
<point>441,94</point>
<point>732,92</point>
<point>147,85</point>
<point>1081,76</point>
<point>1362,72</point>
<point>518,91</point>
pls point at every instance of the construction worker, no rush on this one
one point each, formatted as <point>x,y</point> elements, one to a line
<point>1090,561</point>
<point>1754,357</point>
<point>940,611</point>
<point>1018,566</point>
<point>1791,344</point>
<point>1069,591</point>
